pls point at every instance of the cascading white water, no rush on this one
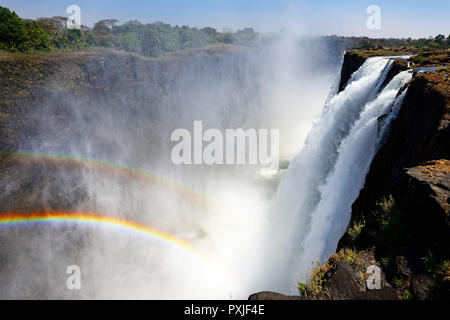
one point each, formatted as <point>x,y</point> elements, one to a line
<point>315,197</point>
<point>341,188</point>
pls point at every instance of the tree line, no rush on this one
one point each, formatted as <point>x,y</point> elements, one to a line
<point>152,39</point>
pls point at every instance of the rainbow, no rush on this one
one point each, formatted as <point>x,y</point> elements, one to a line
<point>31,219</point>
<point>102,165</point>
<point>25,219</point>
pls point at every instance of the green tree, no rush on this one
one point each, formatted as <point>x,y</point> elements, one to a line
<point>104,27</point>
<point>440,38</point>
<point>17,34</point>
<point>151,45</point>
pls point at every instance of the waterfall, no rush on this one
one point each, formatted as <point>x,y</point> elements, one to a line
<point>314,199</point>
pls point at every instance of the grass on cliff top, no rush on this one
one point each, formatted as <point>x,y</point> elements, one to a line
<point>432,58</point>
<point>367,53</point>
<point>422,57</point>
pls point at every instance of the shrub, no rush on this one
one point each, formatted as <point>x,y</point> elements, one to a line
<point>348,255</point>
<point>21,35</point>
<point>355,230</point>
<point>431,264</point>
<point>314,286</point>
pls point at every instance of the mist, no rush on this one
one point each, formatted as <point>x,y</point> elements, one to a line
<point>125,114</point>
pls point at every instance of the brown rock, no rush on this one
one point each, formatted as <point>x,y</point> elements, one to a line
<point>269,295</point>
<point>436,176</point>
<point>386,293</point>
<point>403,266</point>
<point>344,283</point>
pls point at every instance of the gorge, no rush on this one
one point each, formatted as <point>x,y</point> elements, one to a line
<point>89,132</point>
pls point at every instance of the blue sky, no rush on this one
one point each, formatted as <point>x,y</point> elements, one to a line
<point>399,18</point>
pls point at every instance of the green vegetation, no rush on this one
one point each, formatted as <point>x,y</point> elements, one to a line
<point>394,232</point>
<point>398,282</point>
<point>431,264</point>
<point>154,39</point>
<point>439,41</point>
<point>442,70</point>
<point>386,205</point>
<point>314,286</point>
<point>320,274</point>
<point>392,223</point>
<point>407,295</point>
<point>355,230</point>
<point>429,57</point>
<point>20,35</point>
<point>348,255</point>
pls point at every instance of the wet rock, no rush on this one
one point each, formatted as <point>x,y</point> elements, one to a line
<point>397,66</point>
<point>352,62</point>
<point>422,286</point>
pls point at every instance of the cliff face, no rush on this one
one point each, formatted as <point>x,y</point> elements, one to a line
<point>60,83</point>
<point>64,101</point>
<point>421,133</point>
<point>402,213</point>
<point>400,220</point>
<point>352,62</point>
<point>355,59</point>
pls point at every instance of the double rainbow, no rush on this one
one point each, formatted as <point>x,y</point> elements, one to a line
<point>93,219</point>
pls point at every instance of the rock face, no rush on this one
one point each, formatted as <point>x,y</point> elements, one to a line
<point>397,66</point>
<point>420,134</point>
<point>352,62</point>
<point>62,82</point>
<point>431,186</point>
<point>404,205</point>
<point>423,286</point>
<point>355,59</point>
<point>344,282</point>
<point>425,195</point>
<point>348,276</point>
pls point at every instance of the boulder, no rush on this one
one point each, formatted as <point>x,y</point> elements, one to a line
<point>422,286</point>
<point>344,283</point>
